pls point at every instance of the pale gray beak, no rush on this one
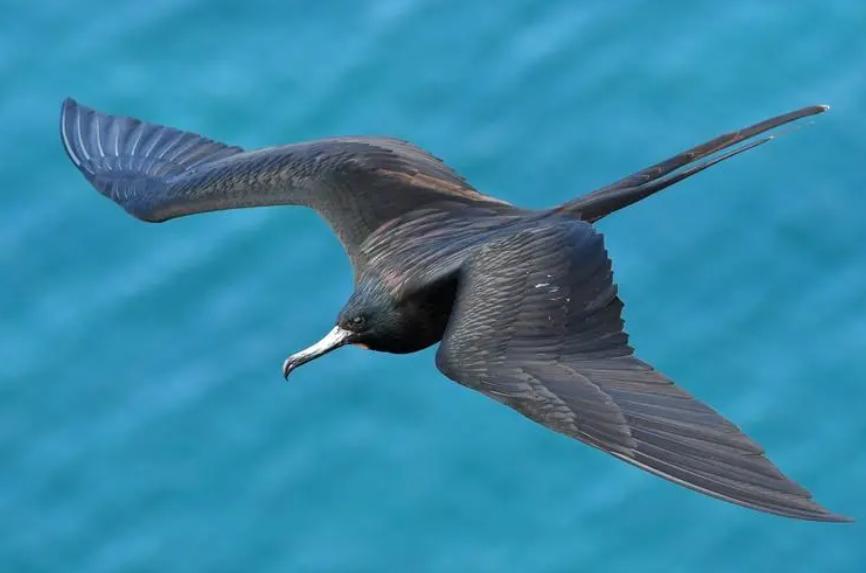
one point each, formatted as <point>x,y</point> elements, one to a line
<point>334,339</point>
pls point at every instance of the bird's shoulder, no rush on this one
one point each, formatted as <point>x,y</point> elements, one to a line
<point>429,245</point>
<point>396,163</point>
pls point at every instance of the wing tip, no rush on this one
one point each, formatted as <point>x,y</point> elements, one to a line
<point>831,517</point>
<point>819,514</point>
<point>67,107</point>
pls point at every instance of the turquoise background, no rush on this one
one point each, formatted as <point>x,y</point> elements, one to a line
<point>144,425</point>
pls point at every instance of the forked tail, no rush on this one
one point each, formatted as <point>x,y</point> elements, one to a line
<point>622,193</point>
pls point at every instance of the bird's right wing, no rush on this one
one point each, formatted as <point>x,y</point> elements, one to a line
<point>536,325</point>
<point>158,173</point>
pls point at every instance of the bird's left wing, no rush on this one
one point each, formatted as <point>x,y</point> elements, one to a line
<point>355,183</point>
<point>536,325</point>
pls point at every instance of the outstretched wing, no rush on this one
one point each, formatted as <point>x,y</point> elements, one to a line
<point>158,173</point>
<point>536,325</point>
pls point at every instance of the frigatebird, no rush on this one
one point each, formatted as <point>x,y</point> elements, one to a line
<point>523,301</point>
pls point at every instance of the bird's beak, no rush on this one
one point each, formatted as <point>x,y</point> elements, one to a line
<point>333,340</point>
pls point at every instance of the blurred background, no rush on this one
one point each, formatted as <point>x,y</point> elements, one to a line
<point>144,425</point>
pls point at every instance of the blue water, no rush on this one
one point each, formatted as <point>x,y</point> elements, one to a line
<point>144,425</point>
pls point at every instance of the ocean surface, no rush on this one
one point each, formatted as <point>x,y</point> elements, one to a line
<point>144,425</point>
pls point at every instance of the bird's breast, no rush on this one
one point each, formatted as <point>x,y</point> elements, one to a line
<point>422,317</point>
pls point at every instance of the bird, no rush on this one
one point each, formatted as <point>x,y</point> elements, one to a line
<point>522,302</point>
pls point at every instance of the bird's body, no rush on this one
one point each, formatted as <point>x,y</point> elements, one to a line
<point>523,302</point>
<point>414,262</point>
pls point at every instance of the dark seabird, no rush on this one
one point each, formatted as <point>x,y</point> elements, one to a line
<point>523,302</point>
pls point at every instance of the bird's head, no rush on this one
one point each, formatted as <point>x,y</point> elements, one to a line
<point>369,319</point>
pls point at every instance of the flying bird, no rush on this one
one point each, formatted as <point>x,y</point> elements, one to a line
<point>523,302</point>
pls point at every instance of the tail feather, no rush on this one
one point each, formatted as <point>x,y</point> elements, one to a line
<point>622,193</point>
<point>127,159</point>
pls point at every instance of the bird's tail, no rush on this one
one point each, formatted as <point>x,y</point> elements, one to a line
<point>622,193</point>
<point>126,159</point>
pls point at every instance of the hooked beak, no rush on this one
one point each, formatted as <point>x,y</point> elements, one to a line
<point>333,340</point>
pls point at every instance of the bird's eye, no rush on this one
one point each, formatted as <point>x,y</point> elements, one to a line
<point>358,320</point>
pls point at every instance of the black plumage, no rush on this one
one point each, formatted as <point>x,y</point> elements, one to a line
<point>523,302</point>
